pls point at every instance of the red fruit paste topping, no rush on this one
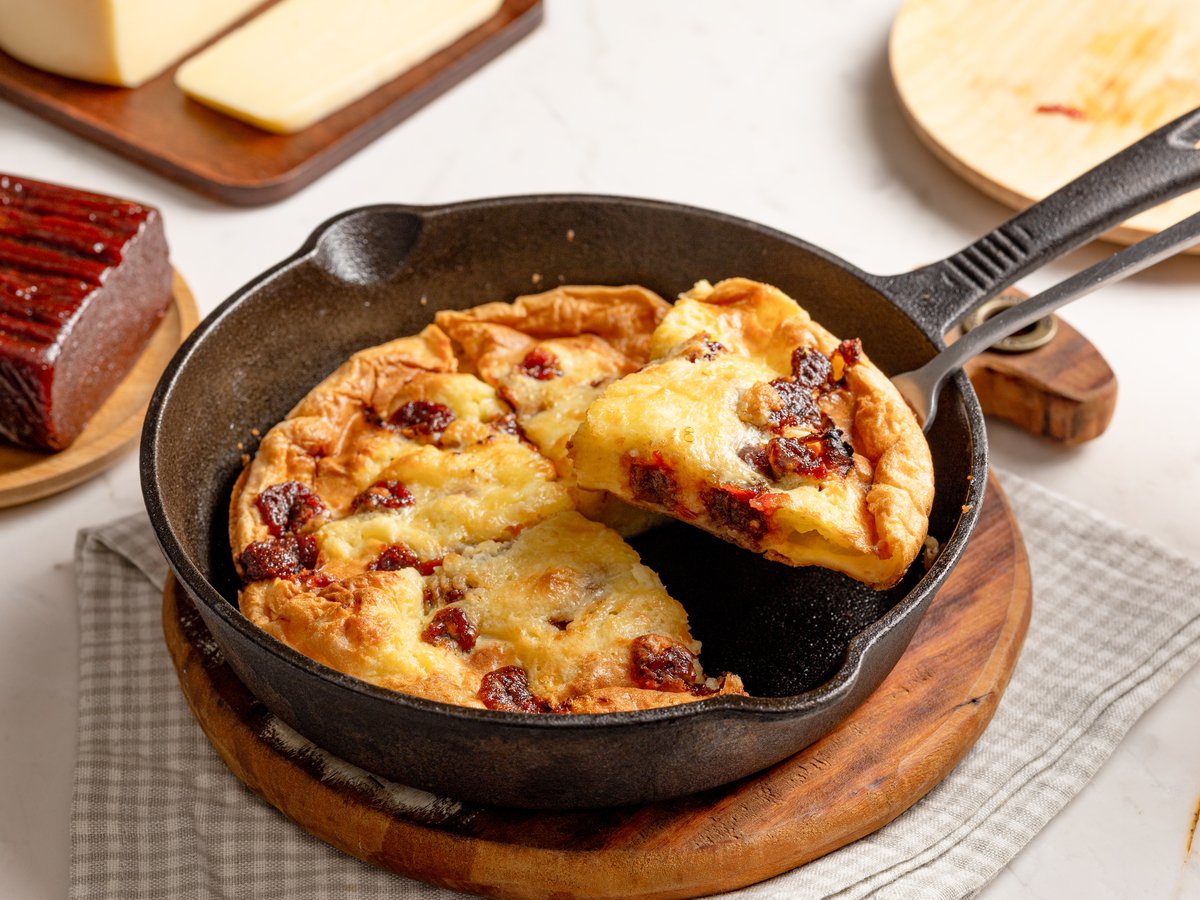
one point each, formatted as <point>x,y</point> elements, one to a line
<point>508,689</point>
<point>756,458</point>
<point>817,456</point>
<point>744,511</point>
<point>659,664</point>
<point>849,350</point>
<point>393,558</point>
<point>541,364</point>
<point>281,557</point>
<point>422,418</point>
<point>653,481</point>
<point>508,424</point>
<point>799,405</point>
<point>428,567</point>
<point>706,348</point>
<point>811,368</point>
<point>824,452</point>
<point>450,625</point>
<point>382,495</point>
<point>288,507</point>
<point>439,595</point>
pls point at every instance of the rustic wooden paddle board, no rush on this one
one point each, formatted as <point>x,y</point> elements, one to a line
<point>887,755</point>
<point>1020,96</point>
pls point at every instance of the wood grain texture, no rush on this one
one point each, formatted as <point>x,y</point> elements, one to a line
<point>27,475</point>
<point>1064,391</point>
<point>972,75</point>
<point>887,755</point>
<point>156,126</point>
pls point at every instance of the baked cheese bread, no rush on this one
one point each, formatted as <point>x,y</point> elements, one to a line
<point>398,418</point>
<point>758,425</point>
<point>397,527</point>
<point>562,618</point>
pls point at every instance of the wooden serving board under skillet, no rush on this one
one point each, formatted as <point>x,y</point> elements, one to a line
<point>156,126</point>
<point>887,755</point>
<point>27,475</point>
<point>1020,96</point>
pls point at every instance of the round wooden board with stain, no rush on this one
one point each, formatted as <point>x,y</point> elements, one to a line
<point>27,475</point>
<point>1020,96</point>
<point>887,755</point>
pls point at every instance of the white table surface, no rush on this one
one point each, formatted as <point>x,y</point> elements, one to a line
<point>778,112</point>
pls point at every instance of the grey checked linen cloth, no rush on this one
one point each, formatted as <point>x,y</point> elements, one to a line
<point>1116,622</point>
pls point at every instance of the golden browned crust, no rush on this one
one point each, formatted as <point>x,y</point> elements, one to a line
<point>332,443</point>
<point>622,317</point>
<point>693,434</point>
<point>483,564</point>
<point>627,698</point>
<point>481,538</point>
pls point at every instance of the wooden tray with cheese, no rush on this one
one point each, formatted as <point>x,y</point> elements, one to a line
<point>158,126</point>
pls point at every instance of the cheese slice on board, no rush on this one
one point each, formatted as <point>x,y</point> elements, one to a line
<point>121,42</point>
<point>304,59</point>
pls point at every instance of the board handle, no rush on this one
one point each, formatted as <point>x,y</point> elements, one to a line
<point>1061,388</point>
<point>1160,166</point>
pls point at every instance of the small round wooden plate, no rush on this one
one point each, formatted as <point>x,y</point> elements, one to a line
<point>1020,96</point>
<point>887,755</point>
<point>26,475</point>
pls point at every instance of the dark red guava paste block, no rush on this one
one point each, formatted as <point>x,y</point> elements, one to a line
<point>84,281</point>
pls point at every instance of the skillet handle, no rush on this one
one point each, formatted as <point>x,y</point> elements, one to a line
<point>1160,166</point>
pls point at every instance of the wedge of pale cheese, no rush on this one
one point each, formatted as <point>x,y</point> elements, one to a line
<point>304,59</point>
<point>121,42</point>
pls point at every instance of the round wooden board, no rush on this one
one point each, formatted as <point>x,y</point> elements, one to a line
<point>887,755</point>
<point>972,74</point>
<point>27,475</point>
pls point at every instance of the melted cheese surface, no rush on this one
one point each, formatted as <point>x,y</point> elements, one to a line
<point>489,491</point>
<point>497,569</point>
<point>592,336</point>
<point>685,416</point>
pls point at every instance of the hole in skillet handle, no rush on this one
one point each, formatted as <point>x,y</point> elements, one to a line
<point>368,246</point>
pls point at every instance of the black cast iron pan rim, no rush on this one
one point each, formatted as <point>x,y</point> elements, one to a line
<point>847,674</point>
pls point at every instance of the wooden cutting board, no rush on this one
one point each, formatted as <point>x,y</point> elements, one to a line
<point>156,126</point>
<point>1020,96</point>
<point>887,755</point>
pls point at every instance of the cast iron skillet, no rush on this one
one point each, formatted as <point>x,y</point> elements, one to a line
<point>810,645</point>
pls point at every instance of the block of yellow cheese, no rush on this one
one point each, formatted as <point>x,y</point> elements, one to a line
<point>304,59</point>
<point>121,42</point>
